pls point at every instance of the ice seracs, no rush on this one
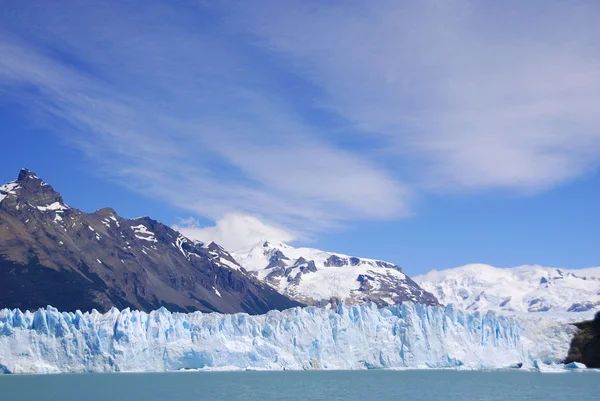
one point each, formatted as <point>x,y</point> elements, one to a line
<point>480,287</point>
<point>344,337</point>
<point>316,277</point>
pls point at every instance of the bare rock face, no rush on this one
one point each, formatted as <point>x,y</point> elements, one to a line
<point>53,254</point>
<point>585,346</point>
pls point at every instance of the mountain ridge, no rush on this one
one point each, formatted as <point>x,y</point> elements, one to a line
<point>100,260</point>
<point>51,253</point>
<point>317,277</point>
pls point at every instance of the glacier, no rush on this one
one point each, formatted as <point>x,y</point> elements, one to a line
<point>344,337</point>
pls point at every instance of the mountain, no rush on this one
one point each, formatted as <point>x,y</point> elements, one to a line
<point>51,253</point>
<point>480,287</point>
<point>315,277</point>
<point>345,337</point>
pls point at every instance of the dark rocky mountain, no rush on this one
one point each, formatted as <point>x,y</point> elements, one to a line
<point>53,254</point>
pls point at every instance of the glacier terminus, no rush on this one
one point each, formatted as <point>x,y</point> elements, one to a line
<point>343,337</point>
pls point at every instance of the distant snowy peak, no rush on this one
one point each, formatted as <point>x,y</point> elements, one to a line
<point>480,287</point>
<point>317,277</point>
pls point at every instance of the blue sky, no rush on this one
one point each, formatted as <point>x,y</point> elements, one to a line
<point>431,134</point>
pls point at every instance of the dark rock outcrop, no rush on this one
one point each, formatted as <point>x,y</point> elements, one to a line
<point>585,346</point>
<point>336,261</point>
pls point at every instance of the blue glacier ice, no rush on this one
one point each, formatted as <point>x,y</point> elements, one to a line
<point>346,337</point>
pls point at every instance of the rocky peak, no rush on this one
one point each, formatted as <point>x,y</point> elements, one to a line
<point>27,175</point>
<point>213,246</point>
<point>106,212</point>
<point>33,190</point>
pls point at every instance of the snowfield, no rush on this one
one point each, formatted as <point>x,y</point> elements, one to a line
<point>347,337</point>
<point>313,277</point>
<point>479,287</point>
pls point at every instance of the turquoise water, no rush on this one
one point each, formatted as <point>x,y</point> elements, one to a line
<point>312,385</point>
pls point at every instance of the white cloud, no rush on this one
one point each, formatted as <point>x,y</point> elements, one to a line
<point>235,232</point>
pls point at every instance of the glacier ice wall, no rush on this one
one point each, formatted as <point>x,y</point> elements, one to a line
<point>347,337</point>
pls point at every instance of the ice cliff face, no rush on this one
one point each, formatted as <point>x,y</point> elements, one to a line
<point>347,337</point>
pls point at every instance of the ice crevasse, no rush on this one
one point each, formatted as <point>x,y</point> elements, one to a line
<point>346,337</point>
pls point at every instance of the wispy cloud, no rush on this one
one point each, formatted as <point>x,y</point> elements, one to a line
<point>313,114</point>
<point>483,95</point>
<point>170,102</point>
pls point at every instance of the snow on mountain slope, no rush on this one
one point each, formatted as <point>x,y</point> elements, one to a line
<point>480,287</point>
<point>313,277</point>
<point>346,337</point>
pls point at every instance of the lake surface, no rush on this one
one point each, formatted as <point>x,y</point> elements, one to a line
<point>426,385</point>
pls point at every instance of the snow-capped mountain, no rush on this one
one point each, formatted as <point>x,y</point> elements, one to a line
<point>345,337</point>
<point>316,277</point>
<point>51,253</point>
<point>479,287</point>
